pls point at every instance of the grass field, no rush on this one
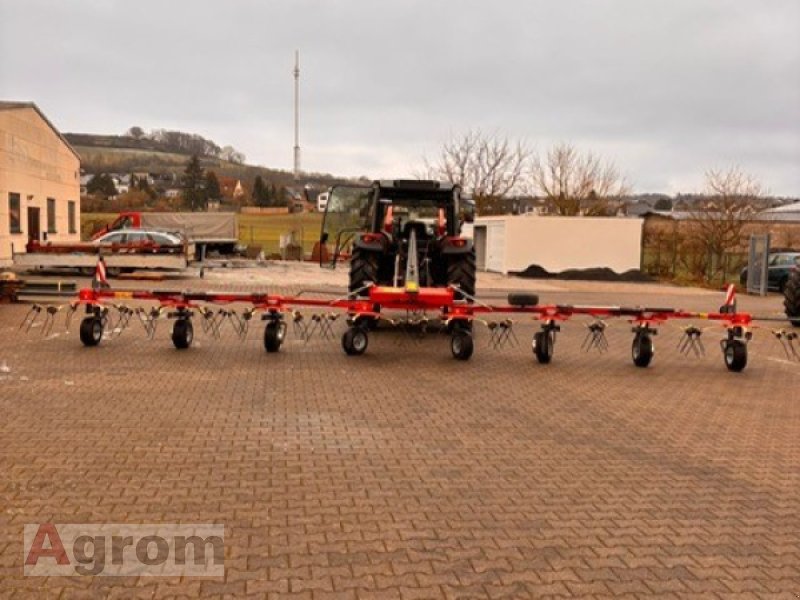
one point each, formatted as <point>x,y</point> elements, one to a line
<point>263,230</point>
<point>266,230</point>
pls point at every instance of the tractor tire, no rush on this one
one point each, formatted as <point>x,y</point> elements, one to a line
<point>363,270</point>
<point>791,298</point>
<point>735,354</point>
<point>461,272</point>
<point>642,350</point>
<point>182,334</point>
<point>91,331</point>
<point>274,333</point>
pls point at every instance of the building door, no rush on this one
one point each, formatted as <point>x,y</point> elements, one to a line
<point>479,240</point>
<point>496,247</point>
<point>34,224</point>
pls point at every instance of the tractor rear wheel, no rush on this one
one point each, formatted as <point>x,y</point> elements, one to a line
<point>461,273</point>
<point>363,270</point>
<point>791,298</point>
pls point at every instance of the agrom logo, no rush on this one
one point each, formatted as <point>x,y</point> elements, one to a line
<point>124,550</point>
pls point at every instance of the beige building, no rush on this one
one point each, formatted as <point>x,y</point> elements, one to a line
<point>39,181</point>
<point>509,244</point>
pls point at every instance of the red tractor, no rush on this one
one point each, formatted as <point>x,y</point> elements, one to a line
<point>402,232</point>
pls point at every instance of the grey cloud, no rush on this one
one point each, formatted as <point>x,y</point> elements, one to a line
<point>668,89</point>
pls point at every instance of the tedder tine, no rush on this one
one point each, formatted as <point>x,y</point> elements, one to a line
<point>30,317</point>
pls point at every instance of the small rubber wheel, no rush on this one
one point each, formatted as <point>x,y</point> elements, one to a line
<point>543,346</point>
<point>91,331</point>
<point>182,334</point>
<point>523,299</point>
<point>113,272</point>
<point>355,341</point>
<point>642,350</point>
<point>461,344</point>
<point>735,354</point>
<point>274,334</point>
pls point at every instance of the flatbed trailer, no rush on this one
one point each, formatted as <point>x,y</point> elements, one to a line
<point>84,257</point>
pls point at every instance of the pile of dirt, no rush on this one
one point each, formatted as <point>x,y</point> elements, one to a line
<point>593,274</point>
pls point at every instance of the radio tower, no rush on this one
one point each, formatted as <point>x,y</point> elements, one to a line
<point>296,114</point>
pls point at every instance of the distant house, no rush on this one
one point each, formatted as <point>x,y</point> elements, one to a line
<point>39,181</point>
<point>144,176</point>
<point>230,188</point>
<point>85,179</point>
<point>173,192</point>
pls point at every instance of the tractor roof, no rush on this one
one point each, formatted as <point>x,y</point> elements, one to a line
<point>415,188</point>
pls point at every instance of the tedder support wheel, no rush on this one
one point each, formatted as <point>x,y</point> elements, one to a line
<point>91,331</point>
<point>543,346</point>
<point>274,334</point>
<point>735,354</point>
<point>461,344</point>
<point>355,341</point>
<point>642,350</point>
<point>791,297</point>
<point>182,333</point>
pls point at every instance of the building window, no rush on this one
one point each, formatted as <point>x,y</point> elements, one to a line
<point>71,216</point>
<point>14,211</point>
<point>51,215</point>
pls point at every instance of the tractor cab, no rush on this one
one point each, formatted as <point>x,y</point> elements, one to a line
<point>381,225</point>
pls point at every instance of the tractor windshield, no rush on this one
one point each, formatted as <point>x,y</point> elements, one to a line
<point>347,212</point>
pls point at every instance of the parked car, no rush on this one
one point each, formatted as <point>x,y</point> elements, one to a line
<point>780,265</point>
<point>144,238</point>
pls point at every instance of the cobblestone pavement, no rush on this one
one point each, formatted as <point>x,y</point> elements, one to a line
<point>406,474</point>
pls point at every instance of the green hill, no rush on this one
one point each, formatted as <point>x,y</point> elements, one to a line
<point>109,154</point>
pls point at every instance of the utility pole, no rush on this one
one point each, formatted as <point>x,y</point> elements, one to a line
<point>296,114</point>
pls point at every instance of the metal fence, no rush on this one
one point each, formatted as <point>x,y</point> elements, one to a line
<point>758,264</point>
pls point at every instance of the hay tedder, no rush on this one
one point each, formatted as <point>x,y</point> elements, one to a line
<point>410,269</point>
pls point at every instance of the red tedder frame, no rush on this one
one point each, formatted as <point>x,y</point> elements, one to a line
<point>455,314</point>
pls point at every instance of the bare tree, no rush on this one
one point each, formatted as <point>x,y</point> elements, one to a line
<point>732,198</point>
<point>575,182</point>
<point>488,166</point>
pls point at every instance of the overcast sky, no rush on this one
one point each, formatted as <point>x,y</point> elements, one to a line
<point>666,89</point>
